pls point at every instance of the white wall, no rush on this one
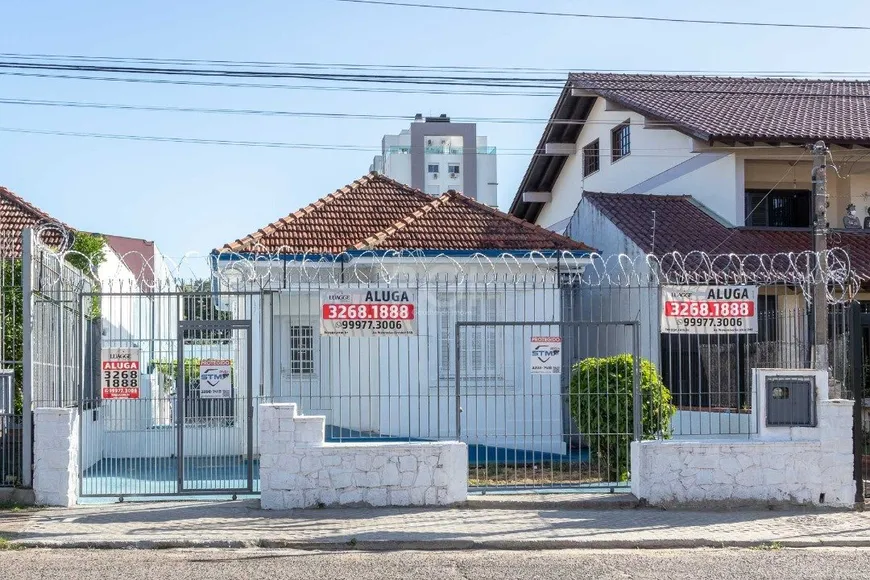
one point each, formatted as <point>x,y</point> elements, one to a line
<point>805,465</point>
<point>487,178</point>
<point>652,152</point>
<point>56,456</point>
<point>717,185</point>
<point>393,387</point>
<point>299,470</point>
<point>398,166</point>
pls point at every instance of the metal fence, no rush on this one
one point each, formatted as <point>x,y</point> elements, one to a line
<point>11,363</point>
<point>532,360</point>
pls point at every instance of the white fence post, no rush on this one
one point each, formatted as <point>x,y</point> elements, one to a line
<point>56,473</point>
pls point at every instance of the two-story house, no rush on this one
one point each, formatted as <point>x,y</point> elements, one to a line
<point>650,164</point>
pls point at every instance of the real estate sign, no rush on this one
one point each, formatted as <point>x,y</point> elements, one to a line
<point>120,373</point>
<point>215,379</point>
<point>546,355</point>
<point>709,309</point>
<point>367,312</point>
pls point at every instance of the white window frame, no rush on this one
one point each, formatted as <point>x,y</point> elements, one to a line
<point>300,370</point>
<point>429,167</point>
<point>453,168</point>
<point>483,347</point>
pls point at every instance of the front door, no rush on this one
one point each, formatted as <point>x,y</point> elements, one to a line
<point>215,410</point>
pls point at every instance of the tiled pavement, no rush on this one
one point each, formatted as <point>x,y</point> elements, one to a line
<point>242,524</point>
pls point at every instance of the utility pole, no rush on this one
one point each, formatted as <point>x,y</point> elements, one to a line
<point>820,247</point>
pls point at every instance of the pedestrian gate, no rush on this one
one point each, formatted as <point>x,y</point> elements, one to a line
<point>185,425</point>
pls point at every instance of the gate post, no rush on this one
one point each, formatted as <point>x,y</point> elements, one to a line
<point>857,360</point>
<point>27,358</point>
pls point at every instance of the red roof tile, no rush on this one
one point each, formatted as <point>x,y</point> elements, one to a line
<point>735,109</point>
<point>682,225</point>
<point>16,215</point>
<point>378,212</point>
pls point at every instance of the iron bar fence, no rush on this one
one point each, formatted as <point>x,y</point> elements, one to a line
<point>415,347</point>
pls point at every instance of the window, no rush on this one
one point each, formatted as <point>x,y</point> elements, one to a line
<point>620,141</point>
<point>482,357</point>
<point>784,208</point>
<point>433,168</point>
<point>453,168</point>
<point>301,350</point>
<point>591,158</point>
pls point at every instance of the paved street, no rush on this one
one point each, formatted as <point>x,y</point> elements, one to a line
<point>827,563</point>
<point>241,524</point>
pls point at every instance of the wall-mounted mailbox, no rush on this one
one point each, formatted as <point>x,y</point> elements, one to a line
<point>791,401</point>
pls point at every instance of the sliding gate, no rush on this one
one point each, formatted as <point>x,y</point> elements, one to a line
<point>168,409</point>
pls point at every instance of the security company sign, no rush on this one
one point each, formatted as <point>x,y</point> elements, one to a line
<point>710,309</point>
<point>120,373</point>
<point>546,355</point>
<point>368,312</point>
<point>215,379</point>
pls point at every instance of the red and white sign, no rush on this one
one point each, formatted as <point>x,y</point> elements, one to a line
<point>709,309</point>
<point>368,312</point>
<point>120,373</point>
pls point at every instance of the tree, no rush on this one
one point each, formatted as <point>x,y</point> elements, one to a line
<point>601,398</point>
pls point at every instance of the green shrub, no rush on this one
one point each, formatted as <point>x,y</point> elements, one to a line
<point>601,400</point>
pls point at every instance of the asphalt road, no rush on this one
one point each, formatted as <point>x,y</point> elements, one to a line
<point>823,563</point>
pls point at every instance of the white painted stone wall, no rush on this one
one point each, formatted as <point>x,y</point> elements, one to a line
<point>799,470</point>
<point>299,470</point>
<point>56,456</point>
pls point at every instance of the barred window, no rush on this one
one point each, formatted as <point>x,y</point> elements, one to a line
<point>302,350</point>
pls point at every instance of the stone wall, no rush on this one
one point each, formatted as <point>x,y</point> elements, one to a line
<point>804,471</point>
<point>56,456</point>
<point>299,470</point>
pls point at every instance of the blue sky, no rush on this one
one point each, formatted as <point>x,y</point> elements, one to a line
<point>195,197</point>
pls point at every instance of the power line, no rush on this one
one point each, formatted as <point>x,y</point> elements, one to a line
<point>251,85</point>
<point>495,82</point>
<point>305,114</point>
<point>678,152</point>
<point>415,68</point>
<point>607,16</point>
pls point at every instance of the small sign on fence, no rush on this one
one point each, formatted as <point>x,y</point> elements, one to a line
<point>546,355</point>
<point>215,379</point>
<point>120,368</point>
<point>709,309</point>
<point>368,312</point>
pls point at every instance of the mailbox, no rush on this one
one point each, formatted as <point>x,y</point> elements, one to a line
<point>791,401</point>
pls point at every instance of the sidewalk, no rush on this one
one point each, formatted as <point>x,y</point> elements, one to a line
<point>242,524</point>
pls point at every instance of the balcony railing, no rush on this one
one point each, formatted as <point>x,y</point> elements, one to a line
<point>406,150</point>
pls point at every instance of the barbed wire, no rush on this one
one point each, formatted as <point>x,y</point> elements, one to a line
<point>271,269</point>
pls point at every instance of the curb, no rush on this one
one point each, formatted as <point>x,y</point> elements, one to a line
<point>440,545</point>
<point>556,504</point>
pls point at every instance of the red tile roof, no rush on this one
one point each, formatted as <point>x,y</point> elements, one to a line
<point>735,109</point>
<point>713,109</point>
<point>376,212</point>
<point>682,225</point>
<point>16,215</point>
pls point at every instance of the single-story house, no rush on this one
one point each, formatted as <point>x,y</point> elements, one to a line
<point>364,290</point>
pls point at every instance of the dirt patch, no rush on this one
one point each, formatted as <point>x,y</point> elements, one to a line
<point>539,474</point>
